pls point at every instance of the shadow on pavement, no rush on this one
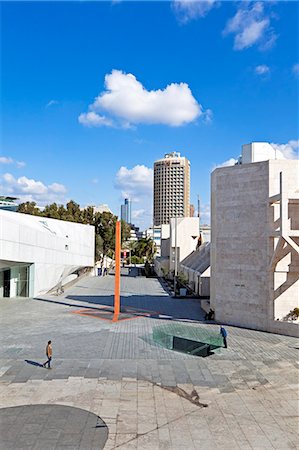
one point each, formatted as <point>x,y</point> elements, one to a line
<point>33,363</point>
<point>151,306</point>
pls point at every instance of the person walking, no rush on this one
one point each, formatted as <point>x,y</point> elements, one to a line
<point>49,353</point>
<point>223,333</point>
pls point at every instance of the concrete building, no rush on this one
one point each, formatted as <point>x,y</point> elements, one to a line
<point>125,211</point>
<point>171,188</point>
<point>196,269</point>
<point>255,237</point>
<point>178,240</point>
<point>38,254</point>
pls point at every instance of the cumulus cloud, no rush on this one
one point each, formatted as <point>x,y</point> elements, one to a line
<point>251,25</point>
<point>28,189</point>
<point>290,150</point>
<point>187,10</point>
<point>263,69</point>
<point>126,102</point>
<point>92,119</point>
<point>137,184</point>
<point>227,163</point>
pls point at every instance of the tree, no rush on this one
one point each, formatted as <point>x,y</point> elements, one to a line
<point>73,212</point>
<point>29,208</point>
<point>105,228</point>
<point>125,231</point>
<point>145,248</point>
<point>51,211</point>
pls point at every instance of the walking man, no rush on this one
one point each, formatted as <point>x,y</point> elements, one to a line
<point>223,333</point>
<point>49,355</point>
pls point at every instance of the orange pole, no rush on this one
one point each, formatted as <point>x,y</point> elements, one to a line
<point>117,273</point>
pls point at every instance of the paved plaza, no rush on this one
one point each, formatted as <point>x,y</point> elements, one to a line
<point>113,387</point>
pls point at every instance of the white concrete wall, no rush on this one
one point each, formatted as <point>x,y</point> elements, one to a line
<point>242,289</point>
<point>187,237</point>
<point>55,247</point>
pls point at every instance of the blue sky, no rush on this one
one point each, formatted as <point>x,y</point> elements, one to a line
<point>238,63</point>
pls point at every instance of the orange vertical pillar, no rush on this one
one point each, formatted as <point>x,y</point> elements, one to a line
<point>117,273</point>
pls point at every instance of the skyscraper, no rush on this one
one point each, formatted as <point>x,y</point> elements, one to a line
<point>125,211</point>
<point>171,188</point>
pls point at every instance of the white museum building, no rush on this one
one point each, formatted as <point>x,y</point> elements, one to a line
<point>37,253</point>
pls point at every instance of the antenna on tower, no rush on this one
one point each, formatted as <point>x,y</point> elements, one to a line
<point>198,208</point>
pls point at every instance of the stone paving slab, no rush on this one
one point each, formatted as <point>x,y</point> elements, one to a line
<point>118,373</point>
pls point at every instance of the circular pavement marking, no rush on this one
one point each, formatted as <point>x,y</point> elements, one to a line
<point>45,427</point>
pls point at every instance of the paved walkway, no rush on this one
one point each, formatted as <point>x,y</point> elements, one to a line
<point>149,397</point>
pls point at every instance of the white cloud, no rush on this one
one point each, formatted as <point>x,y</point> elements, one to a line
<point>262,69</point>
<point>28,189</point>
<point>52,103</point>
<point>251,26</point>
<point>186,10</point>
<point>126,102</point>
<point>5,160</point>
<point>227,163</point>
<point>95,181</point>
<point>8,160</point>
<point>287,151</point>
<point>295,69</point>
<point>92,119</point>
<point>137,184</point>
<point>137,213</point>
<point>205,213</point>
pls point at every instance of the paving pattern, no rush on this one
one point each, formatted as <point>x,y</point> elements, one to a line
<point>144,392</point>
<point>49,427</point>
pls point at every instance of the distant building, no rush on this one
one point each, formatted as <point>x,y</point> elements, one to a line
<point>255,241</point>
<point>125,213</point>
<point>8,203</point>
<point>171,188</point>
<point>38,254</point>
<point>99,209</point>
<point>178,240</point>
<point>135,233</point>
<point>192,210</point>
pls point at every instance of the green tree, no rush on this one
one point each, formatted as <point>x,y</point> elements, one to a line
<point>145,248</point>
<point>87,215</point>
<point>29,208</point>
<point>51,211</point>
<point>73,212</point>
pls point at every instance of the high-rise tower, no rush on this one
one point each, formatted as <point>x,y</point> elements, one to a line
<point>125,213</point>
<point>171,188</point>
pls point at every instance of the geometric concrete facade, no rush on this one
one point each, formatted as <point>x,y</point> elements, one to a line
<point>38,253</point>
<point>254,249</point>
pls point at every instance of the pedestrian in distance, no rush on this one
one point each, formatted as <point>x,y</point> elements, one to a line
<point>49,353</point>
<point>223,333</point>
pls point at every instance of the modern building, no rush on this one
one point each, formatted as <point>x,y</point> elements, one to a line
<point>178,240</point>
<point>255,241</point>
<point>125,211</point>
<point>156,233</point>
<point>38,254</point>
<point>8,203</point>
<point>135,233</point>
<point>171,188</point>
